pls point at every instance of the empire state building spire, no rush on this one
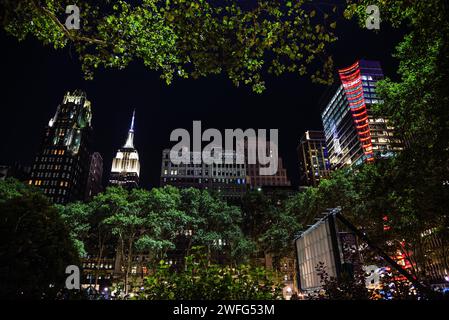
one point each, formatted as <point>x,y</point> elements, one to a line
<point>130,140</point>
<point>125,169</point>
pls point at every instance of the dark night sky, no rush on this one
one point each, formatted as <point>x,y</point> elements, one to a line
<point>35,78</point>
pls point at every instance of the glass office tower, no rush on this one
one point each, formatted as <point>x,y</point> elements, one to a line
<point>353,134</point>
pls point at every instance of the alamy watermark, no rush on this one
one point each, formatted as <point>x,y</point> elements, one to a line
<point>373,20</point>
<point>73,282</point>
<point>73,20</point>
<point>248,147</point>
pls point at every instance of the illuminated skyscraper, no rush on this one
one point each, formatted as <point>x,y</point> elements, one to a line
<point>62,164</point>
<point>313,158</point>
<point>125,170</point>
<point>353,135</point>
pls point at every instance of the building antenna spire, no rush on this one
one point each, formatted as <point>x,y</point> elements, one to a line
<point>132,121</point>
<point>130,140</point>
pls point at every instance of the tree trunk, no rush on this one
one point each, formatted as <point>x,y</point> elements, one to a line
<point>189,246</point>
<point>208,254</point>
<point>100,255</point>
<point>122,262</point>
<point>128,264</point>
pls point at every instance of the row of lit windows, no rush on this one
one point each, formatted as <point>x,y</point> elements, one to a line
<point>200,173</point>
<point>55,191</point>
<point>373,101</point>
<point>46,175</point>
<point>369,83</point>
<point>58,199</point>
<point>199,180</point>
<point>91,277</point>
<point>367,77</point>
<point>53,159</point>
<point>54,152</point>
<point>50,167</point>
<point>50,175</point>
<point>227,173</point>
<point>229,166</point>
<point>369,89</point>
<point>36,182</point>
<point>49,183</point>
<point>93,265</point>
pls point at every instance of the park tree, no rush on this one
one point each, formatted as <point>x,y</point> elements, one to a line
<point>77,216</point>
<point>132,223</point>
<point>145,223</point>
<point>36,246</point>
<point>215,225</point>
<point>12,188</point>
<point>165,220</point>
<point>269,224</point>
<point>126,224</point>
<point>186,38</point>
<point>347,287</point>
<point>103,206</point>
<point>203,280</point>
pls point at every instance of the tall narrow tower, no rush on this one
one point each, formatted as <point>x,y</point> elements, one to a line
<point>61,165</point>
<point>126,166</point>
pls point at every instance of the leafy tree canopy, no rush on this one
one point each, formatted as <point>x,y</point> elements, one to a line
<point>202,280</point>
<point>35,248</point>
<point>186,38</point>
<point>76,216</point>
<point>269,223</point>
<point>12,188</point>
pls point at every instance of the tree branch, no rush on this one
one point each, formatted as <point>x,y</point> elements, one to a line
<point>70,36</point>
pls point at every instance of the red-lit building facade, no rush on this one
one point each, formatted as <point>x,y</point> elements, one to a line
<point>353,134</point>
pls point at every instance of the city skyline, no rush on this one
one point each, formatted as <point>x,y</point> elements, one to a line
<point>233,150</point>
<point>71,118</point>
<point>161,108</point>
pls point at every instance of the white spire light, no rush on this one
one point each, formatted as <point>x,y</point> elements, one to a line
<point>130,140</point>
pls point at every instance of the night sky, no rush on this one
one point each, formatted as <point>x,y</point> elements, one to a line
<point>35,78</point>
